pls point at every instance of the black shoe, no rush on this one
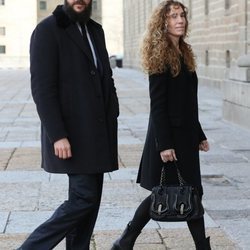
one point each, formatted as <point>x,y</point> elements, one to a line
<point>127,240</point>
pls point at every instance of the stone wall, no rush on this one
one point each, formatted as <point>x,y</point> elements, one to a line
<point>19,18</point>
<point>112,22</point>
<point>50,6</point>
<point>136,14</point>
<point>219,34</point>
<point>218,37</point>
<point>236,92</point>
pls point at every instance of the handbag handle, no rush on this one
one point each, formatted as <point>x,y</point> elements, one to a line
<point>164,175</point>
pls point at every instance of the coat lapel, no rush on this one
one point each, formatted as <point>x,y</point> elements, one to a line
<point>77,38</point>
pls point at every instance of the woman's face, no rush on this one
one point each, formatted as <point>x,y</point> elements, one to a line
<point>176,22</point>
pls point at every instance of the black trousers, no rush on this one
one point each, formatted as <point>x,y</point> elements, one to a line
<point>75,218</point>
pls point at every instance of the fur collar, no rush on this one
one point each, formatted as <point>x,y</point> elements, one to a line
<point>61,17</point>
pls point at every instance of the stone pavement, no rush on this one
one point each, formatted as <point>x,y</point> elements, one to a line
<point>29,195</point>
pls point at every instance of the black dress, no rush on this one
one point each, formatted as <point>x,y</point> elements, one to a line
<point>173,124</point>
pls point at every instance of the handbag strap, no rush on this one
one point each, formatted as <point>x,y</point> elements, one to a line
<point>164,175</point>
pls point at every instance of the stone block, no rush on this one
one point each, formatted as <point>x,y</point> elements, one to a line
<point>25,159</point>
<point>5,154</point>
<point>23,176</point>
<point>11,241</point>
<point>19,196</point>
<point>52,194</point>
<point>116,218</point>
<point>236,113</point>
<point>240,74</point>
<point>238,230</point>
<point>237,92</point>
<point>149,239</point>
<point>26,222</point>
<point>12,144</point>
<point>3,221</point>
<point>124,174</point>
<point>231,205</point>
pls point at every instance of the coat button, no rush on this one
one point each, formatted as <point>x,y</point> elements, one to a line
<point>92,72</point>
<point>101,120</point>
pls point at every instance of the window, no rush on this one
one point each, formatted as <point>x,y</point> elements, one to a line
<point>2,2</point>
<point>228,59</point>
<point>2,49</point>
<point>94,4</point>
<point>207,58</point>
<point>43,5</point>
<point>227,4</point>
<point>206,7</point>
<point>2,31</point>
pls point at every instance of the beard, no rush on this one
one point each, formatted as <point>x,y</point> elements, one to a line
<point>81,17</point>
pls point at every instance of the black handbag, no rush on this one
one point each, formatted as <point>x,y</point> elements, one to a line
<point>179,202</point>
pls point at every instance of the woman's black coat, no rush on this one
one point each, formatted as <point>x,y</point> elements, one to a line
<point>73,98</point>
<point>173,124</point>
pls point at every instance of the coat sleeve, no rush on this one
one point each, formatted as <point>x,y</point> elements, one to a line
<point>44,80</point>
<point>159,113</point>
<point>202,135</point>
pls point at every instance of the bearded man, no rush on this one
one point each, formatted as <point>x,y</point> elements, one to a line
<point>76,100</point>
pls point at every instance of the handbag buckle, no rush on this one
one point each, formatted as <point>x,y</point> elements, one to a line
<point>159,209</point>
<point>182,208</point>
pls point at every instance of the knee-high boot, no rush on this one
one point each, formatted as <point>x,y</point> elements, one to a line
<point>203,245</point>
<point>127,240</point>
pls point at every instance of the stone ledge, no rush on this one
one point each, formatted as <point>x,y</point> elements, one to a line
<point>236,114</point>
<point>236,92</point>
<point>240,74</point>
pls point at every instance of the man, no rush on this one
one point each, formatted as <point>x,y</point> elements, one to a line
<point>76,100</point>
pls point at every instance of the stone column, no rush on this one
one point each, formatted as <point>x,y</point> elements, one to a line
<point>236,93</point>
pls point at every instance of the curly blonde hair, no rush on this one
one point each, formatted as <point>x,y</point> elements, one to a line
<point>157,50</point>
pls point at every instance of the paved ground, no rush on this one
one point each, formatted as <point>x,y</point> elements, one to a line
<point>29,195</point>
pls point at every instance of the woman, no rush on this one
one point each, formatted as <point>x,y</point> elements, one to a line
<point>174,130</point>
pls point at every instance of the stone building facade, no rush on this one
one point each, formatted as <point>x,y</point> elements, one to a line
<point>219,34</point>
<point>17,21</point>
<point>112,22</point>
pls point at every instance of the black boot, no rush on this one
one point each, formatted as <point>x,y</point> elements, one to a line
<point>203,245</point>
<point>127,240</point>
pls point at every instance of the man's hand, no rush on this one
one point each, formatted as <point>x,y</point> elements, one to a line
<point>62,148</point>
<point>204,146</point>
<point>168,155</point>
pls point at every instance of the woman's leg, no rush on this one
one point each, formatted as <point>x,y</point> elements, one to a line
<point>197,230</point>
<point>141,216</point>
<point>133,229</point>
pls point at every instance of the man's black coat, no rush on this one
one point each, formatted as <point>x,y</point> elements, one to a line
<point>73,98</point>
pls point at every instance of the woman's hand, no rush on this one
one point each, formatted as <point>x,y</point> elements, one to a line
<point>168,155</point>
<point>204,146</point>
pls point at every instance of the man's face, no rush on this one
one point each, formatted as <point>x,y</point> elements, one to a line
<point>79,10</point>
<point>78,5</point>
